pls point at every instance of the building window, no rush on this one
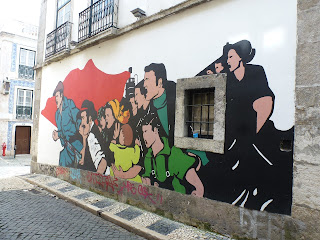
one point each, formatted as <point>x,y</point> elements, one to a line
<point>24,104</point>
<point>26,64</point>
<point>200,113</point>
<point>98,17</point>
<point>63,11</point>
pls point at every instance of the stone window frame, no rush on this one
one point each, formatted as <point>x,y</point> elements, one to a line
<point>181,139</point>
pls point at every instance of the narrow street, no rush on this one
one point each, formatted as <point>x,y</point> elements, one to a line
<point>28,212</point>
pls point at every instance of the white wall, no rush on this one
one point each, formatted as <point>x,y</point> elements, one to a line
<point>150,7</point>
<point>186,43</point>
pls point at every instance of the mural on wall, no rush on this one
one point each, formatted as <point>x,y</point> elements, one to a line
<point>112,125</point>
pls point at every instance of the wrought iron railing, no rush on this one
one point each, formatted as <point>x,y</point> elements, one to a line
<point>26,72</point>
<point>58,39</point>
<point>97,18</point>
<point>24,112</point>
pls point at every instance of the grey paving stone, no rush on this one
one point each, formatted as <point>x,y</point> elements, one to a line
<point>51,184</point>
<point>103,203</point>
<point>67,189</point>
<point>32,176</point>
<point>129,213</point>
<point>84,195</point>
<point>164,226</point>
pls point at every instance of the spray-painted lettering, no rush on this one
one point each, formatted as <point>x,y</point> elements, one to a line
<point>61,171</point>
<point>75,174</point>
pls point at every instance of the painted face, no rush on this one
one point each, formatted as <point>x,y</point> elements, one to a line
<point>209,72</point>
<point>134,106</point>
<point>121,138</point>
<point>150,84</point>
<point>109,117</point>
<point>233,60</point>
<point>85,123</point>
<point>218,67</point>
<point>139,98</point>
<point>58,97</point>
<point>149,136</point>
<point>103,122</point>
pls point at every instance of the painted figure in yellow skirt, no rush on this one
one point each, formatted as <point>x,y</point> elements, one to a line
<point>126,157</point>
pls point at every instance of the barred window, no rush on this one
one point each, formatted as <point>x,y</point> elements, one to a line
<point>26,64</point>
<point>24,104</point>
<point>200,112</point>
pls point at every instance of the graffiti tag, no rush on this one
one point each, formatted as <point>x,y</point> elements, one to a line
<point>61,171</point>
<point>104,181</point>
<point>75,174</point>
<point>142,191</point>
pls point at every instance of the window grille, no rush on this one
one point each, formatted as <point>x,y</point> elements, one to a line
<point>200,112</point>
<point>58,39</point>
<point>24,104</point>
<point>26,64</point>
<point>100,16</point>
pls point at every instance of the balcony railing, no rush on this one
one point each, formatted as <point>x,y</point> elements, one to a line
<point>58,39</point>
<point>97,18</point>
<point>26,72</point>
<point>24,112</point>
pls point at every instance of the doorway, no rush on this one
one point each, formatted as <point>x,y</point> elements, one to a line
<point>23,139</point>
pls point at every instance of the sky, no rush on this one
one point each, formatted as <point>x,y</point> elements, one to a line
<point>23,10</point>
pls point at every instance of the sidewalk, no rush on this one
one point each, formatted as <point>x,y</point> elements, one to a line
<point>138,221</point>
<point>10,166</point>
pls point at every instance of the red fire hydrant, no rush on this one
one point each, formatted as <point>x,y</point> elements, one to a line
<point>4,146</point>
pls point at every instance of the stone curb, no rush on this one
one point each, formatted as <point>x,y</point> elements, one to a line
<point>141,231</point>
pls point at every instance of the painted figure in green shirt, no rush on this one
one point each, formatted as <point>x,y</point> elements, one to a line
<point>167,166</point>
<point>161,93</point>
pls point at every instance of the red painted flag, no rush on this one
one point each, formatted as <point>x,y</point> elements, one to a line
<point>91,84</point>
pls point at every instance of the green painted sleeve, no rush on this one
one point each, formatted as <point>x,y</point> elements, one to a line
<point>161,168</point>
<point>147,166</point>
<point>177,186</point>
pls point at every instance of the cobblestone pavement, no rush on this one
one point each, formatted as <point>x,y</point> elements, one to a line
<point>10,166</point>
<point>29,212</point>
<point>128,216</point>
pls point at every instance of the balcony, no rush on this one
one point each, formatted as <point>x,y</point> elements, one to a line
<point>23,112</point>
<point>58,39</point>
<point>97,18</point>
<point>26,72</point>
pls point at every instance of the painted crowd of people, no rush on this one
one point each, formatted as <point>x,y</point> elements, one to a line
<point>133,138</point>
<point>130,139</point>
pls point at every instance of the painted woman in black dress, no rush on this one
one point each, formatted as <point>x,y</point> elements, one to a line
<point>252,172</point>
<point>252,146</point>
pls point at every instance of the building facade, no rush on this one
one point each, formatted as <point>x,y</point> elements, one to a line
<point>18,51</point>
<point>192,104</point>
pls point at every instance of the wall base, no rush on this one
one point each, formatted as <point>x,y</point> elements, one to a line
<point>207,214</point>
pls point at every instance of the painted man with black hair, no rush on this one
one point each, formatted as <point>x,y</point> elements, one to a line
<point>161,93</point>
<point>140,94</point>
<point>93,156</point>
<point>67,124</point>
<point>166,166</point>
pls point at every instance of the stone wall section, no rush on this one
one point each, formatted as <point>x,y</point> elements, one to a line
<point>306,181</point>
<point>38,79</point>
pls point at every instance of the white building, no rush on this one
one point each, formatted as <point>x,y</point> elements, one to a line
<point>18,43</point>
<point>85,42</point>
